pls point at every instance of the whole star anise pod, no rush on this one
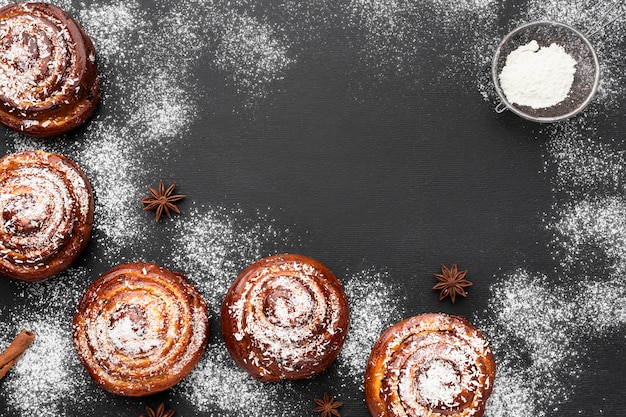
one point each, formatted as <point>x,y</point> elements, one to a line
<point>451,282</point>
<point>159,412</point>
<point>161,199</point>
<point>327,407</point>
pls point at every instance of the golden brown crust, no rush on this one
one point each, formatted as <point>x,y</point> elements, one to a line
<point>48,75</point>
<point>285,317</point>
<point>140,329</point>
<point>430,365</point>
<point>46,214</point>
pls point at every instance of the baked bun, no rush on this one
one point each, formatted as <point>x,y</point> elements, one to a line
<point>140,329</point>
<point>285,317</point>
<point>427,366</point>
<point>46,207</point>
<point>48,76</point>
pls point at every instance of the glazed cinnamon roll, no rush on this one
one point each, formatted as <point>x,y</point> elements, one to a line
<point>48,77</point>
<point>140,329</point>
<point>427,366</point>
<point>285,317</point>
<point>47,207</point>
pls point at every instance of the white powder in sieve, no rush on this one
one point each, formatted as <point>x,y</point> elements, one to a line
<point>537,77</point>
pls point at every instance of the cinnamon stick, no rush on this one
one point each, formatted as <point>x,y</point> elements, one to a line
<point>14,351</point>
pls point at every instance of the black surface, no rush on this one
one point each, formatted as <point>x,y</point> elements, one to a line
<point>403,175</point>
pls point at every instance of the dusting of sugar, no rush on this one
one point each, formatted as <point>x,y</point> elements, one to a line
<point>374,306</point>
<point>48,380</point>
<point>242,395</point>
<point>582,163</point>
<point>400,35</point>
<point>252,53</point>
<point>592,230</point>
<point>213,245</point>
<point>534,335</point>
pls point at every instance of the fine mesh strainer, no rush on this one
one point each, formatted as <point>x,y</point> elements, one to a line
<point>586,77</point>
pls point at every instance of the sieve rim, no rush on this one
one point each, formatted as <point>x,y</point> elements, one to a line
<point>543,119</point>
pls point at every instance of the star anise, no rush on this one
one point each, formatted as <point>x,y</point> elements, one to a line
<point>159,412</point>
<point>327,407</point>
<point>451,282</point>
<point>161,199</point>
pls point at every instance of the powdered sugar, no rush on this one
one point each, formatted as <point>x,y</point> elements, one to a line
<point>537,76</point>
<point>533,332</point>
<point>397,39</point>
<point>50,361</point>
<point>374,306</point>
<point>149,105</point>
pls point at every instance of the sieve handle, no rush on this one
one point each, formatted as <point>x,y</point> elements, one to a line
<point>500,108</point>
<point>601,24</point>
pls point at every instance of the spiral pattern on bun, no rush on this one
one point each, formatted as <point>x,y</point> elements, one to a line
<point>46,214</point>
<point>140,329</point>
<point>48,76</point>
<point>427,366</point>
<point>285,317</point>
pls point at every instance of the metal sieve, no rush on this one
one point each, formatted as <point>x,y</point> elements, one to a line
<point>586,77</point>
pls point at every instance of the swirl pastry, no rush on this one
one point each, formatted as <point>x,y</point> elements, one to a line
<point>285,317</point>
<point>427,366</point>
<point>48,76</point>
<point>47,207</point>
<point>140,329</point>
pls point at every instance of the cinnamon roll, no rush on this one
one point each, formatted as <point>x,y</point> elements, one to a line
<point>46,207</point>
<point>285,317</point>
<point>427,366</point>
<point>48,76</point>
<point>140,329</point>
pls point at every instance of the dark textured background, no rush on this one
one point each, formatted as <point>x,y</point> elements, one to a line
<point>404,178</point>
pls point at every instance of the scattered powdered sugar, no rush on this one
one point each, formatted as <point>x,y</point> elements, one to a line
<point>48,380</point>
<point>206,389</point>
<point>582,163</point>
<point>533,333</point>
<point>593,230</point>
<point>400,36</point>
<point>109,26</point>
<point>374,306</point>
<point>539,325</point>
<point>45,366</point>
<point>252,53</point>
<point>213,245</point>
